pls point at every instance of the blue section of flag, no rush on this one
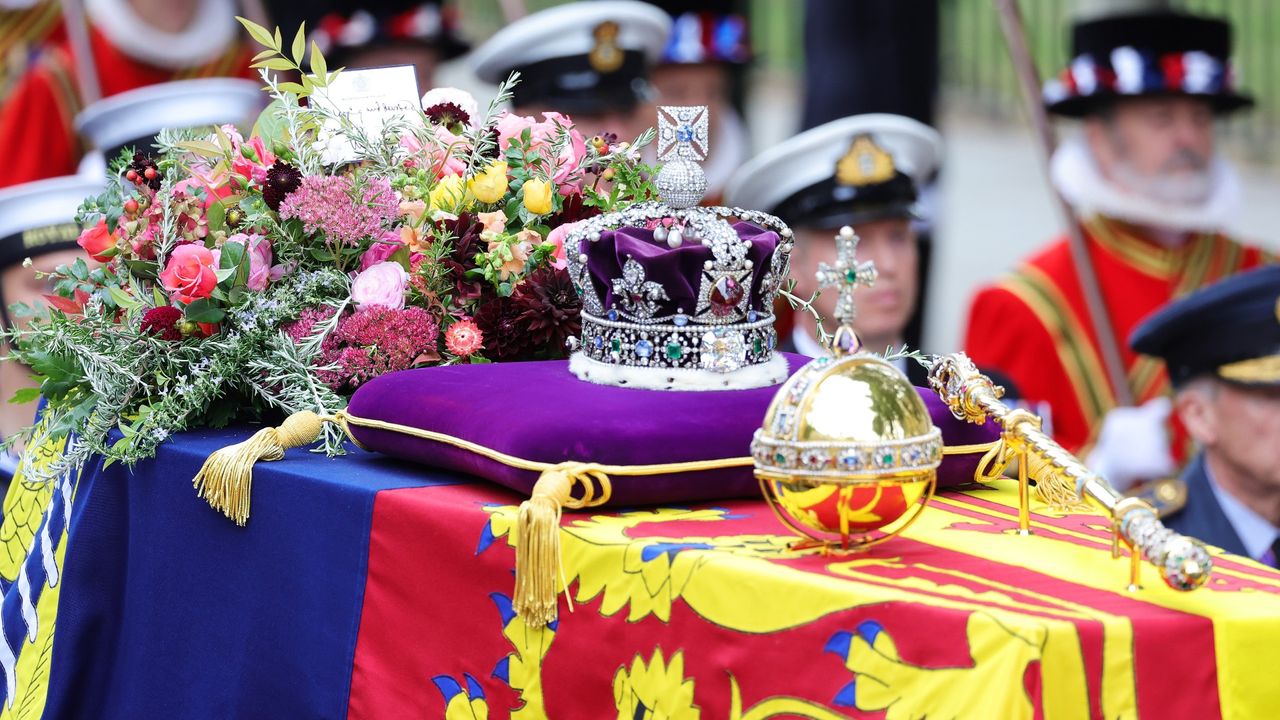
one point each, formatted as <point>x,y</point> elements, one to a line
<point>169,609</point>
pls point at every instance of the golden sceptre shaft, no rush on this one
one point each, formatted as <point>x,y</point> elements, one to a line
<point>1183,562</point>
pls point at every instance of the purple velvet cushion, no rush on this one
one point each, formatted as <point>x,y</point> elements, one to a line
<point>539,411</point>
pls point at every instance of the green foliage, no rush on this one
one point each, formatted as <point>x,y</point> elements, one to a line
<point>277,57</point>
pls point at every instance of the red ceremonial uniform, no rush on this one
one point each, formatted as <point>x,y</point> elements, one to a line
<point>1033,325</point>
<point>22,34</point>
<point>37,133</point>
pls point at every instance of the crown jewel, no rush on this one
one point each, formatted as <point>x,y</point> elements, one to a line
<point>675,296</point>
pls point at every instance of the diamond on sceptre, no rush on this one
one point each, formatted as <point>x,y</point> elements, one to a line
<point>849,275</point>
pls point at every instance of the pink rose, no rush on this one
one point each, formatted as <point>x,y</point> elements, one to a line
<point>381,250</point>
<point>100,244</point>
<point>259,249</point>
<point>556,237</point>
<point>190,273</point>
<point>252,160</point>
<point>382,285</point>
<point>509,127</point>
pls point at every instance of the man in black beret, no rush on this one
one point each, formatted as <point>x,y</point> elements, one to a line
<point>1221,346</point>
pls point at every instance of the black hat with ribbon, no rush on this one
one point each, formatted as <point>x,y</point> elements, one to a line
<point>1144,55</point>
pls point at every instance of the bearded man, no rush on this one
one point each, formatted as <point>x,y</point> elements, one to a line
<point>1153,196</point>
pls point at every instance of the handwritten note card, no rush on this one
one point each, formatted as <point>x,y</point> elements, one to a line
<point>371,99</point>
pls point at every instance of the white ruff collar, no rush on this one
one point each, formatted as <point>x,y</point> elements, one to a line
<point>1076,176</point>
<point>209,34</point>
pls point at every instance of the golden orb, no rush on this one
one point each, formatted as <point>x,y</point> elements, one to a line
<point>848,455</point>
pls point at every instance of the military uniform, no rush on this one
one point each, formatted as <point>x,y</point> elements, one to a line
<point>580,59</point>
<point>1032,324</point>
<point>1229,332</point>
<point>849,171</point>
<point>25,28</point>
<point>38,138</point>
<point>36,219</point>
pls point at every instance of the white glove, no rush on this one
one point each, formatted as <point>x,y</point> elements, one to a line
<point>1133,444</point>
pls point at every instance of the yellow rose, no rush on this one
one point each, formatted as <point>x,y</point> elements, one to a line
<point>450,194</point>
<point>490,185</point>
<point>537,196</point>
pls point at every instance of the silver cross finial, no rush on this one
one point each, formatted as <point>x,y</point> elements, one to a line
<point>847,274</point>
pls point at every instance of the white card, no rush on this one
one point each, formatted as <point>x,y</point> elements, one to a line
<point>371,99</point>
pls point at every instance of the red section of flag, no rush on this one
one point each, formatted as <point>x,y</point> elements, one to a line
<point>435,606</point>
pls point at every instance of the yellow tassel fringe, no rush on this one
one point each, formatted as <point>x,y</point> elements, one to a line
<point>226,479</point>
<point>539,571</point>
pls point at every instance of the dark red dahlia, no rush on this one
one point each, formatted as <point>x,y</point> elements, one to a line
<point>282,179</point>
<point>505,332</point>
<point>466,244</point>
<point>492,150</point>
<point>162,322</point>
<point>550,309</point>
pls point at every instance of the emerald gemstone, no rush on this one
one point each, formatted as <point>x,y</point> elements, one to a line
<point>616,344</point>
<point>850,275</point>
<point>757,346</point>
<point>674,351</point>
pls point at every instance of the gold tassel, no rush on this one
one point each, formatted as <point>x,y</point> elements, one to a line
<point>226,478</point>
<point>538,562</point>
<point>1054,488</point>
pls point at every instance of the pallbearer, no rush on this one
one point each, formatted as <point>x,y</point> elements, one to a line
<point>861,171</point>
<point>589,60</point>
<point>1221,347</point>
<point>37,221</point>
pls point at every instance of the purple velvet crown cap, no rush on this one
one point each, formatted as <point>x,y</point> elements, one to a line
<point>678,270</point>
<point>539,411</point>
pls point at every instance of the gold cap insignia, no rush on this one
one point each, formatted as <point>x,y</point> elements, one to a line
<point>605,56</point>
<point>866,163</point>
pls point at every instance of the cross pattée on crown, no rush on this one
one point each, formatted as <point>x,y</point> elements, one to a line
<point>847,274</point>
<point>682,132</point>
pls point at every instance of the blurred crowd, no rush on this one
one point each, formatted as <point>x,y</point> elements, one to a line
<point>1146,337</point>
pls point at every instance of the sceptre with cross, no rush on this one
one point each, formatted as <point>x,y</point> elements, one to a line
<point>849,275</point>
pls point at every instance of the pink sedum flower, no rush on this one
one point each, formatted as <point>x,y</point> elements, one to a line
<point>344,213</point>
